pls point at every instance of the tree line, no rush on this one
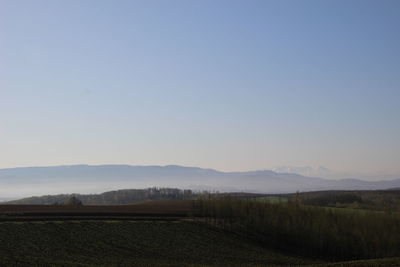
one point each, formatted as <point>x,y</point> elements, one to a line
<point>329,233</point>
<point>124,196</point>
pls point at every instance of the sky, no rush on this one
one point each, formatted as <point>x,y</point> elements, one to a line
<point>230,85</point>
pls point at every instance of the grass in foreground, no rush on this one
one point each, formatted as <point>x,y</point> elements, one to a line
<point>118,243</point>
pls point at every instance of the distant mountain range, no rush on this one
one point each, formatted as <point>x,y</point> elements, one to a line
<point>319,171</point>
<point>28,181</point>
<point>323,172</point>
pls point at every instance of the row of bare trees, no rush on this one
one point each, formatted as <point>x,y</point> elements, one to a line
<point>330,233</point>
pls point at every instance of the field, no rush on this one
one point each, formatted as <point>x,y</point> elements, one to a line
<point>151,209</point>
<point>181,207</point>
<point>130,243</point>
<point>383,200</point>
<point>175,233</point>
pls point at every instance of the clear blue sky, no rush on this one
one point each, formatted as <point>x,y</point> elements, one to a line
<point>231,85</point>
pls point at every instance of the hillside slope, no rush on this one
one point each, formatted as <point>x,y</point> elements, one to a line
<point>115,243</point>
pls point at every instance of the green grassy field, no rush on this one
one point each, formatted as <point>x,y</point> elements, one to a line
<point>142,243</point>
<point>124,243</point>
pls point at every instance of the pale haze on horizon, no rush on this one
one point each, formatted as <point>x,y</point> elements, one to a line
<point>228,85</point>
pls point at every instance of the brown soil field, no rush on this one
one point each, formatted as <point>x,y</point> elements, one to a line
<point>149,208</point>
